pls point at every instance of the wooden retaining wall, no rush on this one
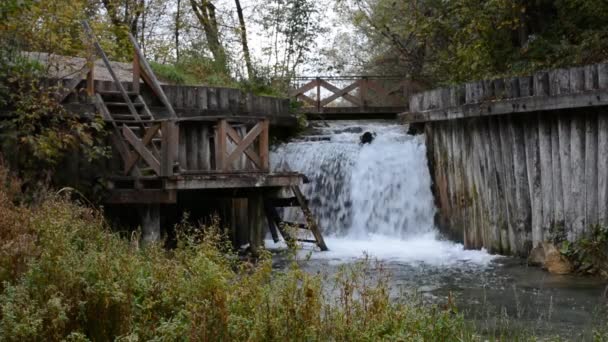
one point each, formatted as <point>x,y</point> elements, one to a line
<point>515,165</point>
<point>190,101</point>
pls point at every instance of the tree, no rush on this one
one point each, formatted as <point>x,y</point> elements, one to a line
<point>244,43</point>
<point>205,13</point>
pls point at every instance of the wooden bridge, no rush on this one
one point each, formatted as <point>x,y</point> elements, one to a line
<point>162,160</point>
<point>336,97</point>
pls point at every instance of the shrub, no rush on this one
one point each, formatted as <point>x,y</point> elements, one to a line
<point>71,278</point>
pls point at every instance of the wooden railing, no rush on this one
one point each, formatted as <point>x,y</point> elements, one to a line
<point>185,146</point>
<point>362,93</point>
<point>243,145</point>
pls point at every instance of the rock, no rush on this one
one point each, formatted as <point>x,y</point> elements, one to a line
<point>537,255</point>
<point>555,262</point>
<point>367,137</point>
<point>550,258</point>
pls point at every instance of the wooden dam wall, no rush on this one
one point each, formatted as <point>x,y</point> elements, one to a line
<point>516,161</point>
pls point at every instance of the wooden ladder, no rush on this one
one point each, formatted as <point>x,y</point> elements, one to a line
<point>277,225</point>
<point>137,132</point>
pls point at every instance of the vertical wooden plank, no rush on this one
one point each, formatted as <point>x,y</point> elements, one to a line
<point>183,149</point>
<point>168,146</point>
<point>136,72</point>
<point>194,147</point>
<point>577,184</point>
<point>523,233</point>
<point>212,98</point>
<point>556,175</point>
<point>204,154</point>
<point>602,167</point>
<point>501,196</point>
<point>318,95</point>
<point>591,183</point>
<point>546,175</point>
<point>564,161</point>
<point>264,145</point>
<point>220,145</point>
<point>201,99</point>
<point>256,220</point>
<point>531,128</point>
<point>91,77</point>
<point>577,79</point>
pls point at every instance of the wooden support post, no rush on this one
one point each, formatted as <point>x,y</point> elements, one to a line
<point>220,146</point>
<point>169,146</point>
<point>273,220</point>
<point>363,92</point>
<point>255,208</point>
<point>136,71</point>
<point>91,76</point>
<point>312,224</point>
<point>318,95</point>
<point>150,223</point>
<point>264,145</point>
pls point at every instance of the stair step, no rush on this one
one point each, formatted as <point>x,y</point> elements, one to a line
<point>123,104</point>
<point>130,117</point>
<point>116,92</point>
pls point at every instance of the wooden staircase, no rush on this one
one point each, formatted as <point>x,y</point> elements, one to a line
<point>277,225</point>
<point>129,115</point>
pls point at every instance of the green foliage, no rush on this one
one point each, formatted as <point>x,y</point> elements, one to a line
<point>64,275</point>
<point>39,132</point>
<point>461,40</point>
<point>590,252</point>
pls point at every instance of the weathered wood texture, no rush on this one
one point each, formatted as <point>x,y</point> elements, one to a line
<point>506,183</point>
<point>352,94</point>
<point>580,87</point>
<point>191,101</point>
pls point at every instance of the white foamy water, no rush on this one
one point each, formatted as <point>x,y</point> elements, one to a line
<point>372,199</point>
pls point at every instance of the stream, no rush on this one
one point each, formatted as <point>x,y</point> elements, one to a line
<point>375,199</point>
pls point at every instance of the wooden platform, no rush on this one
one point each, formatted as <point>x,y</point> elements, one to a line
<point>159,156</point>
<point>130,190</point>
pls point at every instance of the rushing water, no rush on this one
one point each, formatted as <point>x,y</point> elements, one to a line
<point>375,199</point>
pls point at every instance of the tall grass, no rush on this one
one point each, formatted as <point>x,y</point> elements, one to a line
<point>65,276</point>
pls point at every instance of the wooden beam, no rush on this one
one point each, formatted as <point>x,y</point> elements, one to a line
<point>66,90</point>
<point>223,180</point>
<point>220,145</point>
<point>335,89</point>
<point>148,136</point>
<point>312,224</point>
<point>106,61</point>
<point>136,71</point>
<point>264,147</point>
<point>150,78</point>
<point>303,89</point>
<point>244,144</point>
<point>307,99</point>
<point>140,148</point>
<point>234,136</point>
<point>142,196</point>
<point>169,145</point>
<point>342,93</point>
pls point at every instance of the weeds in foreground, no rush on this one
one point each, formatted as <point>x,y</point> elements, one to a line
<point>65,276</point>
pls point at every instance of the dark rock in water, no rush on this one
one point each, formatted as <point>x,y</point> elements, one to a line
<point>415,129</point>
<point>367,137</point>
<point>349,130</point>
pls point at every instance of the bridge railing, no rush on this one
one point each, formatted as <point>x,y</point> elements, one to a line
<point>352,93</point>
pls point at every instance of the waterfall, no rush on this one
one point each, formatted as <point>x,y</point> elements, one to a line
<point>369,197</point>
<point>361,189</point>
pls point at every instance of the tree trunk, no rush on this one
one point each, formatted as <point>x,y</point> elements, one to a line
<point>177,28</point>
<point>205,13</point>
<point>246,54</point>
